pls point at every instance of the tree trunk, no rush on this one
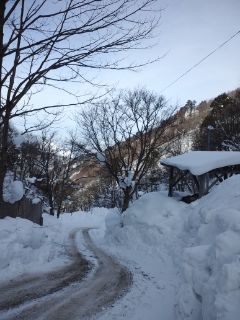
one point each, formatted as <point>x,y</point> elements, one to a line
<point>4,133</point>
<point>50,200</point>
<point>3,154</point>
<point>2,13</point>
<point>126,198</point>
<point>59,209</point>
<point>61,195</point>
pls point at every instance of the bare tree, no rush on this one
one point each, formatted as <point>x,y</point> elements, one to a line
<point>127,133</point>
<point>72,152</point>
<point>46,42</point>
<point>49,166</point>
<point>54,164</point>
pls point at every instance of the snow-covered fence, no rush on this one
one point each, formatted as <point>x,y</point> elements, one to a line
<point>24,208</point>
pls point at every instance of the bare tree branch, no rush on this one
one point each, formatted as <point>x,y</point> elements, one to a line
<point>43,42</point>
<point>127,132</point>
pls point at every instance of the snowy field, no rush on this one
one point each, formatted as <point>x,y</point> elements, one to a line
<point>185,259</point>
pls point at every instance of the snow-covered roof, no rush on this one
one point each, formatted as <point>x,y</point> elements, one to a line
<point>200,162</point>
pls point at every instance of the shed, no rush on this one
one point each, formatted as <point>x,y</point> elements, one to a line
<point>199,165</point>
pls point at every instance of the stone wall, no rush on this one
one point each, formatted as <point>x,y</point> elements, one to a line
<point>23,209</point>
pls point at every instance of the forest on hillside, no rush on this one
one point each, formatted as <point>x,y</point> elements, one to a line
<point>109,159</point>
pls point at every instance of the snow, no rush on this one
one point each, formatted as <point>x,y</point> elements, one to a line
<point>13,190</point>
<point>211,264</point>
<point>25,246</point>
<point>31,179</point>
<point>126,181</point>
<point>200,162</point>
<point>151,227</point>
<point>36,200</point>
<point>185,259</point>
<point>28,247</point>
<point>18,139</point>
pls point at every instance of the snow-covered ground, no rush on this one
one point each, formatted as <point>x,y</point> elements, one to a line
<point>185,259</point>
<point>211,262</point>
<point>26,247</point>
<point>151,229</point>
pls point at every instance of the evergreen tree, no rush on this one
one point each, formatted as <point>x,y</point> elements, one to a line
<point>220,130</point>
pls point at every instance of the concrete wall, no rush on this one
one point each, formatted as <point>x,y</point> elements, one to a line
<point>23,209</point>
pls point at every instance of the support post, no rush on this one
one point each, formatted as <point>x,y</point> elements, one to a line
<point>170,183</point>
<point>202,184</point>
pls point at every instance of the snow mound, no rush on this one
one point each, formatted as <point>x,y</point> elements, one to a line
<point>151,229</point>
<point>27,247</point>
<point>13,191</point>
<point>155,210</point>
<point>146,222</point>
<point>212,263</point>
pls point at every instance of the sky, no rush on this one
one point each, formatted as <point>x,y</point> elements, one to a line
<point>188,31</point>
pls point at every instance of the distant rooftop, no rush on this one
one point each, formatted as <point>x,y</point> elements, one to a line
<point>200,162</point>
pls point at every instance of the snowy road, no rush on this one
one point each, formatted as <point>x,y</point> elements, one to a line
<point>73,292</point>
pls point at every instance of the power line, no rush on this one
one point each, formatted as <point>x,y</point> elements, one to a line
<point>200,61</point>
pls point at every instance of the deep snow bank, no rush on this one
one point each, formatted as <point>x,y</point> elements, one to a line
<point>26,247</point>
<point>149,220</point>
<point>212,262</point>
<point>145,245</point>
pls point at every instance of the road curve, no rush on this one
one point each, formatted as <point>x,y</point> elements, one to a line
<point>75,292</point>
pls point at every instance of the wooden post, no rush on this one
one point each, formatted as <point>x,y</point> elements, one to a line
<point>170,183</point>
<point>202,184</point>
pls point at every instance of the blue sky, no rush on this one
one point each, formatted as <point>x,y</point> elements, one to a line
<point>188,31</point>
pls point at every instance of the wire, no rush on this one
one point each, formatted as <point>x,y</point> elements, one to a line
<point>200,61</point>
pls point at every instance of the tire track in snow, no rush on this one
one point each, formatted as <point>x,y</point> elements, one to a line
<point>69,293</point>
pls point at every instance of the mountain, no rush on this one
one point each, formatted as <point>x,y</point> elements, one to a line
<point>177,139</point>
